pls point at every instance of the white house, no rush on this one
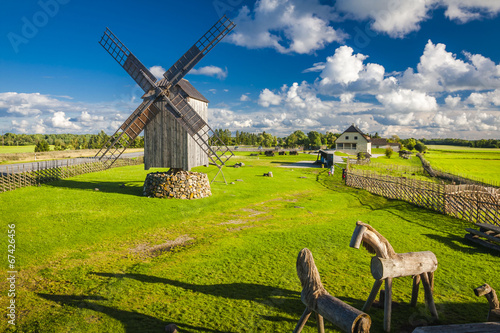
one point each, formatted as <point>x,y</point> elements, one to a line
<point>353,141</point>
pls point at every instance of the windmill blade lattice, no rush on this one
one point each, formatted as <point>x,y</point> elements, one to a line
<point>204,45</point>
<point>127,60</point>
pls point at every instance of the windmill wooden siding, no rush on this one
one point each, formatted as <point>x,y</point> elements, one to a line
<point>166,143</point>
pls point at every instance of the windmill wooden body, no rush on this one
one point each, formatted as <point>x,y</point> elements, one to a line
<point>173,113</point>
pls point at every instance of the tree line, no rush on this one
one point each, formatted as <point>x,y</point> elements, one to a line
<point>312,140</point>
<point>298,138</point>
<point>62,141</point>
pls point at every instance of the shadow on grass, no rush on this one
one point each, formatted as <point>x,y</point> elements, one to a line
<point>107,187</point>
<point>462,245</point>
<point>132,321</point>
<point>282,299</point>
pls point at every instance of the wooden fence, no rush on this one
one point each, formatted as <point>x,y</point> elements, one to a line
<point>473,203</point>
<point>17,176</point>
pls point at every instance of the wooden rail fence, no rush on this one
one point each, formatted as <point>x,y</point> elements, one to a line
<point>473,203</point>
<point>16,177</point>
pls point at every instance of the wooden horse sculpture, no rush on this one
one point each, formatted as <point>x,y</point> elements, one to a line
<point>317,299</point>
<point>491,296</point>
<point>387,264</point>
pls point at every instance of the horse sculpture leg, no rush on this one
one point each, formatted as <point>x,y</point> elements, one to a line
<point>373,295</point>
<point>302,321</point>
<point>388,304</point>
<point>414,292</point>
<point>429,299</point>
<point>320,322</point>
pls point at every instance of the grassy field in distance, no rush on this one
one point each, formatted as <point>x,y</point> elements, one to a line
<point>468,162</point>
<point>87,260</point>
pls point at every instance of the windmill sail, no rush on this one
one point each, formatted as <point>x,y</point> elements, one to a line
<point>204,45</point>
<point>127,60</point>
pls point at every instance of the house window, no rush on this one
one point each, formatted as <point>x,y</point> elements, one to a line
<point>353,146</point>
<point>347,138</point>
<point>340,146</point>
<point>355,138</point>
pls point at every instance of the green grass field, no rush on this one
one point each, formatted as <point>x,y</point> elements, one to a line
<point>103,261</point>
<point>468,162</point>
<point>18,149</point>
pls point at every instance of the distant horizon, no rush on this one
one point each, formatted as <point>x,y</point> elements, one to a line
<point>413,69</point>
<point>277,136</point>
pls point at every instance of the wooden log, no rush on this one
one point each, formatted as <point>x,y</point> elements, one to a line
<point>482,242</point>
<point>463,328</point>
<point>346,317</point>
<point>403,264</point>
<point>488,226</point>
<point>485,235</point>
<point>317,299</point>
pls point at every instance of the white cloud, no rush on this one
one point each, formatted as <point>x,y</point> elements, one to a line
<point>244,98</point>
<point>343,66</point>
<point>399,18</point>
<point>453,102</point>
<point>213,71</point>
<point>46,114</point>
<point>317,67</point>
<point>22,104</point>
<point>299,26</point>
<point>467,10</point>
<point>157,71</point>
<point>405,100</point>
<point>59,120</point>
<point>267,98</point>
<point>440,70</point>
<point>396,18</point>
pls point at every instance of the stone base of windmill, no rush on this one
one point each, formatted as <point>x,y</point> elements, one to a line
<point>178,185</point>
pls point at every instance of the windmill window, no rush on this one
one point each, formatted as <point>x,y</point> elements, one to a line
<point>347,137</point>
<point>355,138</point>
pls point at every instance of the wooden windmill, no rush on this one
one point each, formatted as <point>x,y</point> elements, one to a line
<point>173,113</point>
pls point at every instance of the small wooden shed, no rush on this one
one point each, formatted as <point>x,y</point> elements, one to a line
<point>166,143</point>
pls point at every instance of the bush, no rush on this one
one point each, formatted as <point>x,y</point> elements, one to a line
<point>389,152</point>
<point>42,146</point>
<point>420,147</point>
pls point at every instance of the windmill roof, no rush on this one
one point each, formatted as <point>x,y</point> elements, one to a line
<point>191,91</point>
<point>187,87</point>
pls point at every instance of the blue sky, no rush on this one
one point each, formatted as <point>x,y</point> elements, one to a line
<point>420,68</point>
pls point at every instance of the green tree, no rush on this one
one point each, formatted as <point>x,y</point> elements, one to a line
<point>410,143</point>
<point>314,139</point>
<point>330,139</point>
<point>420,147</point>
<point>42,146</point>
<point>389,152</point>
<point>291,141</point>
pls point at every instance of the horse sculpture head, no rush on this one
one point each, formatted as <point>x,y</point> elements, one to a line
<point>364,234</point>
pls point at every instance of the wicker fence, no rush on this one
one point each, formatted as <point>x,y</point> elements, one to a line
<point>474,203</point>
<point>17,176</point>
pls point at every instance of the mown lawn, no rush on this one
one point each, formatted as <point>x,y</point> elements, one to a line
<point>101,261</point>
<point>481,164</point>
<point>18,149</point>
